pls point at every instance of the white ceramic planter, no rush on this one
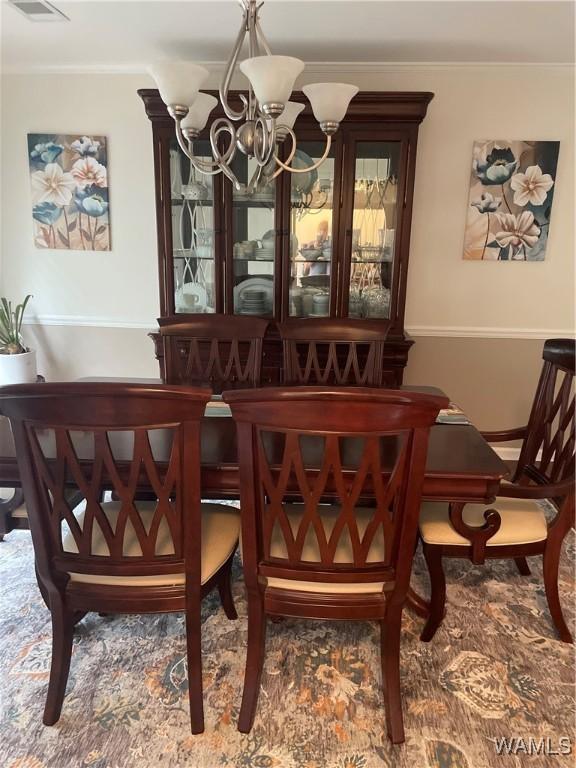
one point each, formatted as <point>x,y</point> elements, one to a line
<point>18,369</point>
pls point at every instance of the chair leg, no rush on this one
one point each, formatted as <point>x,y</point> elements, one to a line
<point>390,629</point>
<point>522,565</point>
<point>433,557</point>
<point>194,657</point>
<point>551,563</point>
<point>254,662</point>
<point>62,636</point>
<point>225,589</point>
<point>42,588</point>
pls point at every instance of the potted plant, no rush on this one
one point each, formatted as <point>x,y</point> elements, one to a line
<point>17,362</point>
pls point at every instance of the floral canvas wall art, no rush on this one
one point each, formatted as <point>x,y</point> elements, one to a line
<point>511,192</point>
<point>69,178</point>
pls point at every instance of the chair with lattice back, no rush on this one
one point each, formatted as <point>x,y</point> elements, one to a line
<point>331,482</point>
<point>123,556</point>
<point>221,351</point>
<point>517,527</point>
<point>331,351</point>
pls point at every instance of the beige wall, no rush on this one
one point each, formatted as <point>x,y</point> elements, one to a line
<point>478,326</point>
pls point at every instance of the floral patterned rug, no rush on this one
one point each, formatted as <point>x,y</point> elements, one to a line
<point>493,670</point>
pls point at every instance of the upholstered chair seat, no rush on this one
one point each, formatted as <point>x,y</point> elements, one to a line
<point>220,531</point>
<point>328,513</point>
<point>523,522</point>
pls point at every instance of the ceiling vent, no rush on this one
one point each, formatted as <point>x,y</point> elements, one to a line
<point>38,10</point>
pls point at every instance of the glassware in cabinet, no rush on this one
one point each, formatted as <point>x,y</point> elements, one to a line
<point>193,233</point>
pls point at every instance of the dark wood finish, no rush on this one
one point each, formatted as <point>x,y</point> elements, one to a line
<point>222,350</point>
<point>103,412</point>
<point>329,351</point>
<point>545,470</point>
<point>374,419</point>
<point>460,465</point>
<point>371,116</point>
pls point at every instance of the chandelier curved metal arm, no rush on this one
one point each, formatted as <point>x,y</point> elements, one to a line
<point>285,166</point>
<point>266,104</point>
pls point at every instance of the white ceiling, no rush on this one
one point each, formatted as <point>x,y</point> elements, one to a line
<point>130,34</point>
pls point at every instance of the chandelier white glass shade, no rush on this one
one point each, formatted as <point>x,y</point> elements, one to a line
<point>267,116</point>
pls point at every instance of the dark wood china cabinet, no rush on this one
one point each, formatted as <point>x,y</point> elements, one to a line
<point>333,242</point>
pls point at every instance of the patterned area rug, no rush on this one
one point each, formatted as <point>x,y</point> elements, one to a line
<point>493,670</point>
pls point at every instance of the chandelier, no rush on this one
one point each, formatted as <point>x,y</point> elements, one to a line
<point>266,118</point>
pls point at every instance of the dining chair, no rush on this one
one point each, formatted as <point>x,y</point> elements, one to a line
<point>329,351</point>
<point>223,351</point>
<point>516,526</point>
<point>330,482</point>
<point>124,556</point>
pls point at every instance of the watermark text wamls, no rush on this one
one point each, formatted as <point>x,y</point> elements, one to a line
<point>528,745</point>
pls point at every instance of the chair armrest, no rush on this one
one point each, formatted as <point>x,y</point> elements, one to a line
<point>477,535</point>
<point>504,435</point>
<point>547,491</point>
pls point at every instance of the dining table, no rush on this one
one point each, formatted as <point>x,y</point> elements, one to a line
<point>461,466</point>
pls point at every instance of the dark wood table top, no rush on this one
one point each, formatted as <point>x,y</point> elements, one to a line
<point>460,466</point>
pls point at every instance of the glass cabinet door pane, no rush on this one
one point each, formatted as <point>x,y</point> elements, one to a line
<point>192,198</point>
<point>311,196</point>
<point>254,239</point>
<point>373,228</point>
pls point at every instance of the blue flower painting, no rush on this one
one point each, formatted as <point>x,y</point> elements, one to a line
<point>511,192</point>
<point>70,194</point>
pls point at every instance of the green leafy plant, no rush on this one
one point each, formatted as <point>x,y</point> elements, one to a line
<point>10,327</point>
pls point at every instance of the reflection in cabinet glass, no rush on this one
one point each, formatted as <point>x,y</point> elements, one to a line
<point>373,228</point>
<point>311,233</point>
<point>192,203</point>
<point>253,250</point>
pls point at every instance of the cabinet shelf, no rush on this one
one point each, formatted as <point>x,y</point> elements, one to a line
<point>198,258</point>
<point>180,201</point>
<point>372,261</point>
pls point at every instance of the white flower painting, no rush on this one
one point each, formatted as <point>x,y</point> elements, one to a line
<point>69,180</point>
<point>510,204</point>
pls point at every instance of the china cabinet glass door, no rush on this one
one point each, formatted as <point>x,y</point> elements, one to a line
<point>252,254</point>
<point>312,256</point>
<point>193,233</point>
<point>374,226</point>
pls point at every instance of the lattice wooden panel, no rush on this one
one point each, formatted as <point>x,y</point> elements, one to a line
<point>215,361</point>
<point>291,480</point>
<point>68,469</point>
<point>346,363</point>
<point>553,432</point>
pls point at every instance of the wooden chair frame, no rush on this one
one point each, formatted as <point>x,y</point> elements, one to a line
<point>329,351</point>
<point>219,350</point>
<point>545,470</point>
<point>396,487</point>
<point>99,410</point>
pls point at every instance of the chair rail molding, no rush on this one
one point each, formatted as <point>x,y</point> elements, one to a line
<point>440,331</point>
<point>486,332</point>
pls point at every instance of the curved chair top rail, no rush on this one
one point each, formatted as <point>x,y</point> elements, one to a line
<point>212,326</point>
<point>334,329</point>
<point>560,352</point>
<point>93,404</point>
<point>335,408</point>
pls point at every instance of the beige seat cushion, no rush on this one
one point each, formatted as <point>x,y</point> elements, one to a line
<point>220,531</point>
<point>523,522</point>
<point>311,552</point>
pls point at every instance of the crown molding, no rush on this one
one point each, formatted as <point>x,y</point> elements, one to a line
<point>312,67</point>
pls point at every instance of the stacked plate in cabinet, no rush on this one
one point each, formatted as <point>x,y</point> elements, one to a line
<point>265,253</point>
